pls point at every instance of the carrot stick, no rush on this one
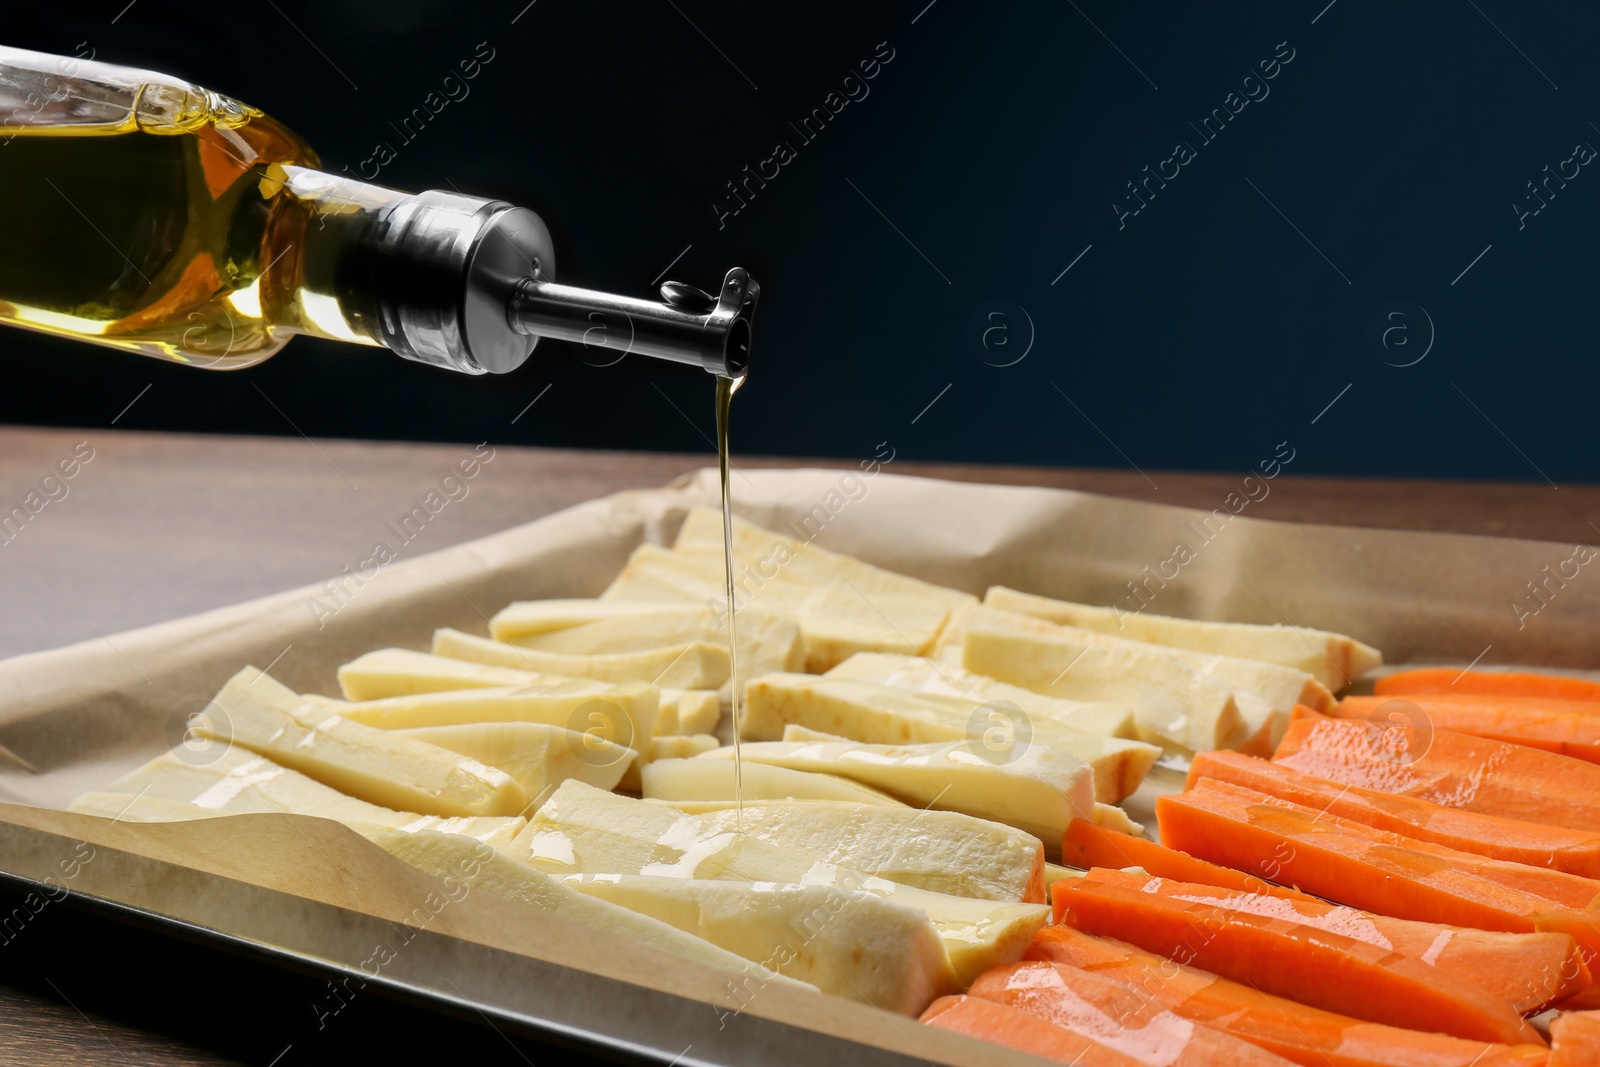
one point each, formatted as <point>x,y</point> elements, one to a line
<point>1588,1000</point>
<point>1575,1039</point>
<point>1435,681</point>
<point>1328,971</point>
<point>1535,844</point>
<point>1527,971</point>
<point>1446,768</point>
<point>1369,869</point>
<point>1002,1025</point>
<point>1122,1018</point>
<point>1583,927</point>
<point>1567,727</point>
<point>1301,712</point>
<point>1308,1036</point>
<point>1087,845</point>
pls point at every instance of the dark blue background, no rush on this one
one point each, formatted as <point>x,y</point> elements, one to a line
<point>987,156</point>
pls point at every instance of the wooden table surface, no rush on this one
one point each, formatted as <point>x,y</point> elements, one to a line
<point>153,527</point>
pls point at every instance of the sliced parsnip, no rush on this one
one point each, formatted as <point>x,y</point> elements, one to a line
<point>768,641</point>
<point>803,561</point>
<point>452,707</point>
<point>393,673</point>
<point>885,715</point>
<point>676,747</point>
<point>523,619</point>
<point>1054,872</point>
<point>838,707</point>
<point>690,782</point>
<point>919,674</point>
<point>667,715</point>
<point>940,851</point>
<point>1261,726</point>
<point>377,766</point>
<point>1333,659</point>
<point>538,756</point>
<point>851,944</point>
<point>465,648</point>
<point>698,711</point>
<point>467,863</point>
<point>1281,687</point>
<point>1265,693</point>
<point>412,673</point>
<point>1114,818</point>
<point>1175,704</point>
<point>836,621</point>
<point>132,807</point>
<point>1256,717</point>
<point>949,646</point>
<point>693,665</point>
<point>682,747</point>
<point>1034,788</point>
<point>794,732</point>
<point>582,830</point>
<point>238,782</point>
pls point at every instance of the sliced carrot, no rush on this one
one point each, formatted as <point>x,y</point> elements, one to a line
<point>1111,1013</point>
<point>1584,928</point>
<point>1575,1039</point>
<point>1527,971</point>
<point>1298,1032</point>
<point>1301,712</point>
<point>1013,1028</point>
<point>1535,844</point>
<point>1370,869</point>
<point>1088,845</point>
<point>1458,771</point>
<point>1433,681</point>
<point>1567,727</point>
<point>1328,971</point>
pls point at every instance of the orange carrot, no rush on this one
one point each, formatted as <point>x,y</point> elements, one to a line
<point>1575,1039</point>
<point>1002,1025</point>
<point>1302,712</point>
<point>1536,844</point>
<point>1436,681</point>
<point>1306,1035</point>
<point>1583,927</point>
<point>1116,1016</point>
<point>1446,768</point>
<point>1567,727</point>
<point>1328,971</point>
<point>1527,971</point>
<point>1370,869</point>
<point>1088,845</point>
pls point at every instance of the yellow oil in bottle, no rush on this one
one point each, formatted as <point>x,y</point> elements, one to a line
<point>726,387</point>
<point>162,218</point>
<point>147,240</point>
<point>149,214</point>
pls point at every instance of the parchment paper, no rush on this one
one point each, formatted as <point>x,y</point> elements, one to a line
<point>74,718</point>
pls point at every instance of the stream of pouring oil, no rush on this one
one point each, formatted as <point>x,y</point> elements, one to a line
<point>726,387</point>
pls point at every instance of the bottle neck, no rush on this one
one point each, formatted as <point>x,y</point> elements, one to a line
<point>428,276</point>
<point>469,285</point>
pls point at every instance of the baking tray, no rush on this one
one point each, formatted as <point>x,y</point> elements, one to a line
<point>305,893</point>
<point>569,1011</point>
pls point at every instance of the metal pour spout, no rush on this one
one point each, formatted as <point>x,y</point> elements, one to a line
<point>687,325</point>
<point>469,285</point>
